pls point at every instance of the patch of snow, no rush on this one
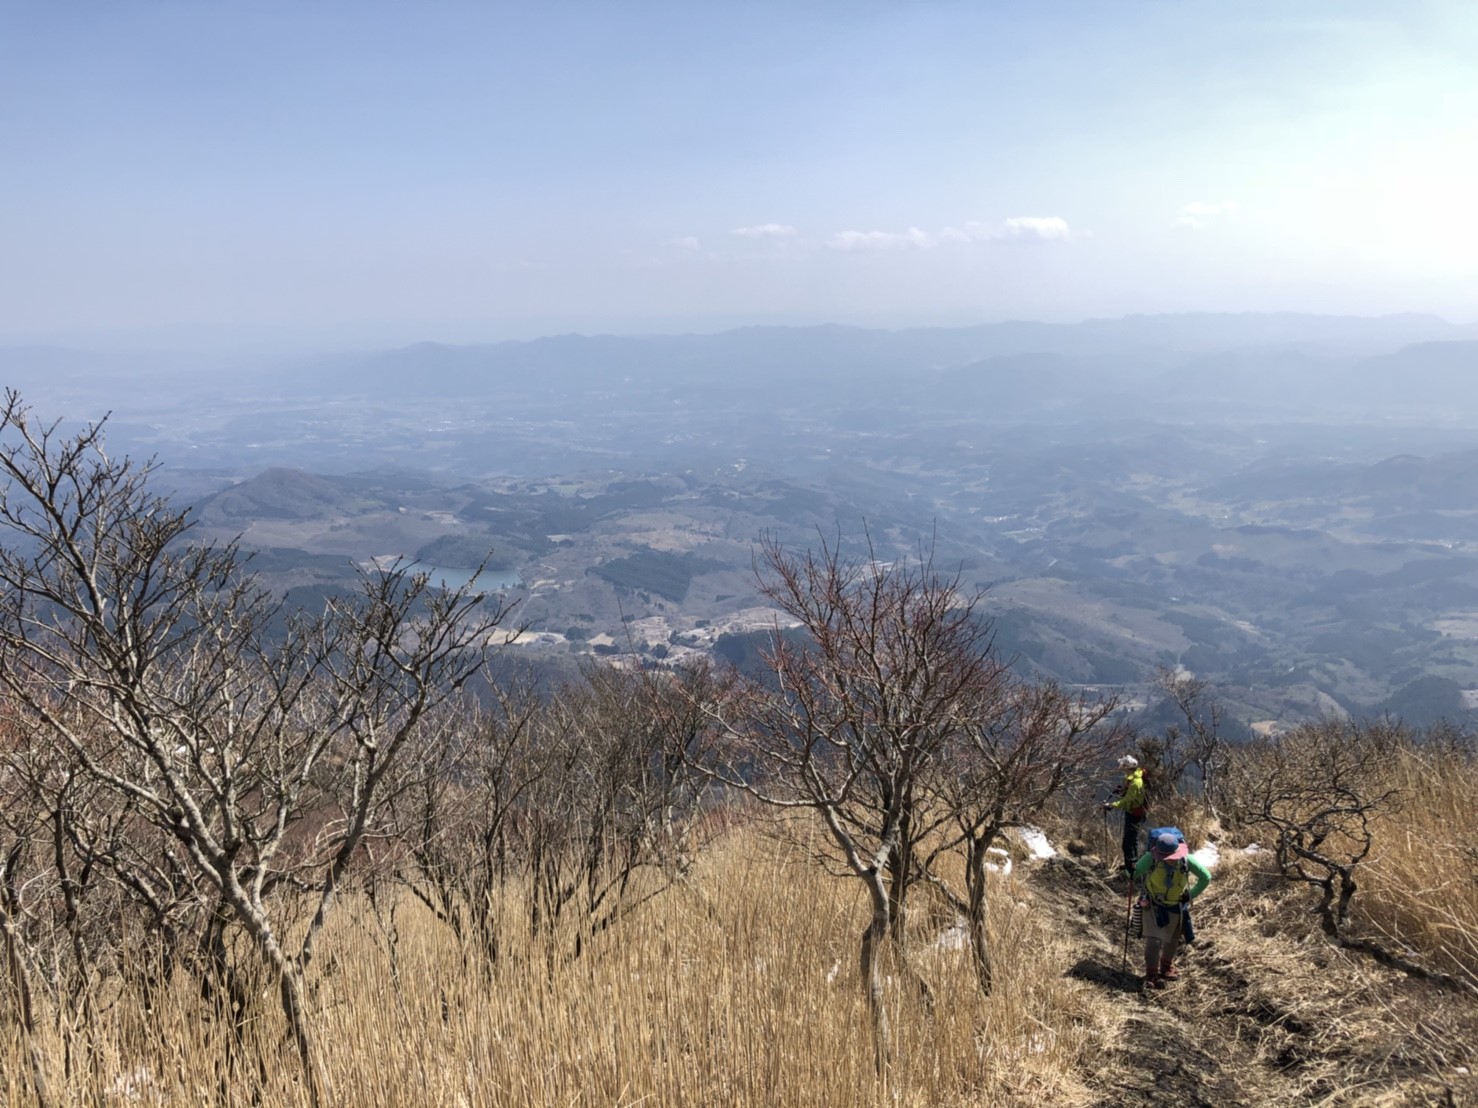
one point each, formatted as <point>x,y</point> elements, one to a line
<point>1209,855</point>
<point>1003,867</point>
<point>1252,848</point>
<point>1035,841</point>
<point>831,974</point>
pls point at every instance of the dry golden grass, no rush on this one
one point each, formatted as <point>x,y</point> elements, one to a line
<point>738,988</point>
<point>1421,887</point>
<point>1320,1025</point>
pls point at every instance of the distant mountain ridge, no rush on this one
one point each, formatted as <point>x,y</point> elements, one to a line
<point>1169,368</point>
<point>1402,482</point>
<point>1132,348</point>
<point>1129,349</point>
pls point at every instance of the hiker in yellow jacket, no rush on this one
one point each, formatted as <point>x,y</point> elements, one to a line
<point>1133,802</point>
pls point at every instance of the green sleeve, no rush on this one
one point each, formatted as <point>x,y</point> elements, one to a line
<point>1142,867</point>
<point>1202,874</point>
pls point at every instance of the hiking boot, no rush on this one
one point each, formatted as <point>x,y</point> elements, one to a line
<point>1151,983</point>
<point>1169,972</point>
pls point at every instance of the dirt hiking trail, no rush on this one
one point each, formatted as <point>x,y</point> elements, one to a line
<point>1257,1019</point>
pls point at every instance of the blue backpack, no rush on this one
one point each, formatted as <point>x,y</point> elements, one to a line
<point>1156,832</point>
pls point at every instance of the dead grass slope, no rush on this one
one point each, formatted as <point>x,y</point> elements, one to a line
<point>738,988</point>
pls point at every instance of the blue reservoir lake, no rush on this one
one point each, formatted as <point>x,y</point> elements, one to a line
<point>489,580</point>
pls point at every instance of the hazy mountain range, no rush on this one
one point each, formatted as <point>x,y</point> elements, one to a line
<point>1253,348</point>
<point>1287,504</point>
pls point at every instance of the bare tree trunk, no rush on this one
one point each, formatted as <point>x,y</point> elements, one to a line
<point>223,988</point>
<point>290,984</point>
<point>975,874</point>
<point>1334,908</point>
<point>25,996</point>
<point>297,1016</point>
<point>873,937</point>
<point>900,868</point>
<point>1210,787</point>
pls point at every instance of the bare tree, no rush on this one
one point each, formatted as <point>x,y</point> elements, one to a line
<point>860,713</point>
<point>23,818</point>
<point>262,748</point>
<point>87,880</point>
<point>617,798</point>
<point>1019,745</point>
<point>1318,788</point>
<point>457,820</point>
<point>1321,790</point>
<point>581,801</point>
<point>1164,758</point>
<point>1202,744</point>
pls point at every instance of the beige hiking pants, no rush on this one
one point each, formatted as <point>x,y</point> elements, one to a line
<point>1160,943</point>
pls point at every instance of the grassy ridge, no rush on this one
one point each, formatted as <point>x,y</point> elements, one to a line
<point>738,987</point>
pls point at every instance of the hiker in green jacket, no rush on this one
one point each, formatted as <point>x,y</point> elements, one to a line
<point>1133,802</point>
<point>1165,873</point>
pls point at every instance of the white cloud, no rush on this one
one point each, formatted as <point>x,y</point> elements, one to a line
<point>1026,228</point>
<point>972,231</point>
<point>1050,228</point>
<point>913,238</point>
<point>686,242</point>
<point>1022,228</point>
<point>765,231</point>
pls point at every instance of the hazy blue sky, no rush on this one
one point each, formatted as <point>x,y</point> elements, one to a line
<point>389,171</point>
